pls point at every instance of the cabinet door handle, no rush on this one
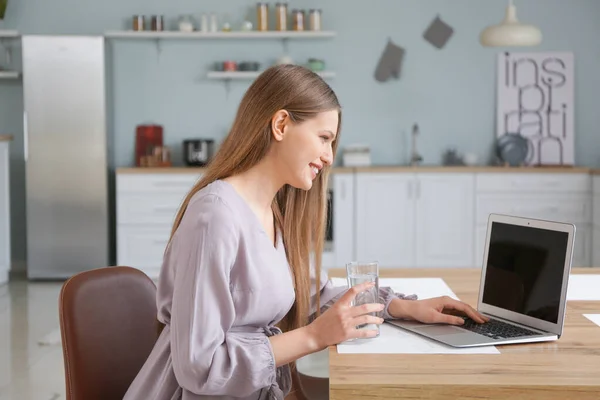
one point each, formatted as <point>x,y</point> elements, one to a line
<point>25,137</point>
<point>343,190</point>
<point>418,183</point>
<point>410,190</point>
<point>160,209</point>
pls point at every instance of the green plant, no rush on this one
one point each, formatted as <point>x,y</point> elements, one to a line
<point>3,4</point>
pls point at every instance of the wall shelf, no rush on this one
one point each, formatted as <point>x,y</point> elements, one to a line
<point>219,35</point>
<point>8,34</point>
<point>241,75</point>
<point>9,74</point>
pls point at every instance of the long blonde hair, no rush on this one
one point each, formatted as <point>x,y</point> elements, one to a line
<point>299,214</point>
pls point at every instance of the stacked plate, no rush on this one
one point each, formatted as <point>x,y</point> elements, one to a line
<point>513,148</point>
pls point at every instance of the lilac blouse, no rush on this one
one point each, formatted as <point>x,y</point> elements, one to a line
<point>222,289</point>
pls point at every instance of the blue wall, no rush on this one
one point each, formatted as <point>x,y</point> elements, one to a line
<point>449,92</point>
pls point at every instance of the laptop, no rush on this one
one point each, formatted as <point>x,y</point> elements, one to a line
<point>523,288</point>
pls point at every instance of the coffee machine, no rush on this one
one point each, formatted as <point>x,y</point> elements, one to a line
<point>197,152</point>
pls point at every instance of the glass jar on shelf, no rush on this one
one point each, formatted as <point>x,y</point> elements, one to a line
<point>314,19</point>
<point>298,19</point>
<point>262,17</point>
<point>138,23</point>
<point>281,16</point>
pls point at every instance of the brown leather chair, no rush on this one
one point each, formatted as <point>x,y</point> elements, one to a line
<point>108,327</point>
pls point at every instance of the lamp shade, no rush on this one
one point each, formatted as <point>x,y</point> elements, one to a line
<point>510,32</point>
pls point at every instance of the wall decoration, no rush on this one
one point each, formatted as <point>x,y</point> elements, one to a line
<point>535,99</point>
<point>390,62</point>
<point>438,33</point>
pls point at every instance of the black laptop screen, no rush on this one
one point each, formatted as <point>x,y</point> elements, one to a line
<point>525,268</point>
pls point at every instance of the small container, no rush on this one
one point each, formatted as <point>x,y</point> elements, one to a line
<point>214,23</point>
<point>247,26</point>
<point>229,66</point>
<point>204,23</point>
<point>186,24</point>
<point>281,16</point>
<point>356,155</point>
<point>262,17</point>
<point>138,22</point>
<point>316,65</point>
<point>298,20</point>
<point>158,23</point>
<point>248,66</point>
<point>314,20</point>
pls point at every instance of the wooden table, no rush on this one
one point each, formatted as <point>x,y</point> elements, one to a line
<point>568,368</point>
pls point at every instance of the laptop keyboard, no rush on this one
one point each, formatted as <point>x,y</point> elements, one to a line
<point>496,329</point>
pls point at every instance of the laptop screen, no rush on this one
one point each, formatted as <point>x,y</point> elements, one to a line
<point>524,271</point>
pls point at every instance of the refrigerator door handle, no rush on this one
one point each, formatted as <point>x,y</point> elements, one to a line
<point>25,137</point>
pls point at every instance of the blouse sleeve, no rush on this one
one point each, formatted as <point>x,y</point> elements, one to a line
<point>329,294</point>
<point>208,358</point>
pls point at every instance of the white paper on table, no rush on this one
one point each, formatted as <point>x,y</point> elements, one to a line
<point>595,318</point>
<point>583,287</point>
<point>394,340</point>
<point>424,288</point>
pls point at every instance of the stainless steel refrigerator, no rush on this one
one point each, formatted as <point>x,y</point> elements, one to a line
<point>65,146</point>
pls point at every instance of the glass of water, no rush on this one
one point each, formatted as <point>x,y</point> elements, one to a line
<point>361,272</point>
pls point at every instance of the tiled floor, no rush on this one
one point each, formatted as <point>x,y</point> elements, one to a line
<point>28,370</point>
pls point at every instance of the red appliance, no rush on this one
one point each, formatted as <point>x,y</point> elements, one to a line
<point>147,137</point>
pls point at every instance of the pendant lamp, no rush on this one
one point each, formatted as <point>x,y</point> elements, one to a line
<point>510,32</point>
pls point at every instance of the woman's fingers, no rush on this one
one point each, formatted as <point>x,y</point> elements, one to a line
<point>449,319</point>
<point>367,319</point>
<point>365,333</point>
<point>354,290</point>
<point>466,309</point>
<point>366,309</point>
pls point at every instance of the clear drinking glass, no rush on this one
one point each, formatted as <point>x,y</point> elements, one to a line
<point>361,272</point>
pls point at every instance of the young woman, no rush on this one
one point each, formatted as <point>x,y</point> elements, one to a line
<point>241,293</point>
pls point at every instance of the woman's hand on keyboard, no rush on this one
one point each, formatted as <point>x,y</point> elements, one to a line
<point>435,310</point>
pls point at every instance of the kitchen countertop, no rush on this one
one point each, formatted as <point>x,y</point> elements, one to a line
<point>473,169</point>
<point>186,170</point>
<point>389,168</point>
<point>6,138</point>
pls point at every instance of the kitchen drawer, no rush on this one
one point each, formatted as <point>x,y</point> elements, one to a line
<point>582,251</point>
<point>480,236</point>
<point>536,182</point>
<point>596,247</point>
<point>564,208</point>
<point>156,183</point>
<point>142,247</point>
<point>148,209</point>
<point>597,210</point>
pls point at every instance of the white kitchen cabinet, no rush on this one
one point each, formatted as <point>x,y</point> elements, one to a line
<point>399,218</point>
<point>146,207</point>
<point>147,204</point>
<point>596,222</point>
<point>422,220</point>
<point>342,246</point>
<point>563,197</point>
<point>444,220</point>
<point>385,218</point>
<point>4,212</point>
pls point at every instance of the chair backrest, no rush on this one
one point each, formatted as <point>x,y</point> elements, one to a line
<point>108,327</point>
